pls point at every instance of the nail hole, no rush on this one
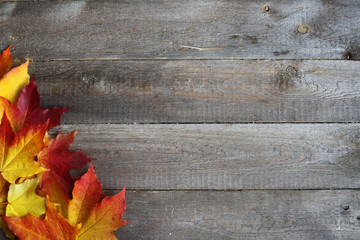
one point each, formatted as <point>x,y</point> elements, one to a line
<point>345,207</point>
<point>348,55</point>
<point>266,8</point>
<point>358,218</point>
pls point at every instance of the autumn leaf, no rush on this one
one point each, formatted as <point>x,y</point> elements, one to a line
<point>31,163</point>
<point>17,155</point>
<point>104,219</point>
<point>53,227</point>
<point>86,195</point>
<point>23,200</point>
<point>27,111</point>
<point>5,61</point>
<point>12,84</point>
<point>51,186</point>
<point>98,220</point>
<point>60,159</point>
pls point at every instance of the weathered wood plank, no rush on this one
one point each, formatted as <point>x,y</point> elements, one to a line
<point>181,29</point>
<point>242,215</point>
<point>201,91</point>
<point>216,156</point>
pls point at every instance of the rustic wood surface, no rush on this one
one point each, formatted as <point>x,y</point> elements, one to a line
<point>169,65</point>
<point>259,215</point>
<point>201,91</point>
<point>218,156</point>
<point>168,29</point>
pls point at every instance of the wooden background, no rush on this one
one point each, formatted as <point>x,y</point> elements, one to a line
<point>225,119</point>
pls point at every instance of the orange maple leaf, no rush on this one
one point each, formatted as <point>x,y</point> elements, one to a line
<point>5,61</point>
<point>53,227</point>
<point>98,217</point>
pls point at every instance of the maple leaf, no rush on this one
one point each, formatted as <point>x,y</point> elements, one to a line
<point>104,219</point>
<point>60,159</point>
<point>5,61</point>
<point>23,200</point>
<point>98,220</point>
<point>86,195</point>
<point>17,151</point>
<point>53,227</point>
<point>12,84</point>
<point>50,185</point>
<point>28,111</point>
<point>74,210</point>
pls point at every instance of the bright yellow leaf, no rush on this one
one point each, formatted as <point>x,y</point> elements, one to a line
<point>12,84</point>
<point>23,200</point>
<point>17,156</point>
<point>14,81</point>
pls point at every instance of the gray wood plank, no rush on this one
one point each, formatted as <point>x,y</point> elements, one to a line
<point>254,215</point>
<point>181,29</point>
<point>201,91</point>
<point>216,156</point>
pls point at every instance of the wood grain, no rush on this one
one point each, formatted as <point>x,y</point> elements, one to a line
<point>254,215</point>
<point>216,156</point>
<point>201,91</point>
<point>168,29</point>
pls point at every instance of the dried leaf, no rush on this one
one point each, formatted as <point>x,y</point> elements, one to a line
<point>86,195</point>
<point>53,227</point>
<point>23,200</point>
<point>17,154</point>
<point>60,159</point>
<point>5,61</point>
<point>104,219</point>
<point>27,111</point>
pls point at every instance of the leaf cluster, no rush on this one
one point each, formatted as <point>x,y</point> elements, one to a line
<point>39,199</point>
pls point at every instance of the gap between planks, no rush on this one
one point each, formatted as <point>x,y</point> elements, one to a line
<point>231,190</point>
<point>20,60</point>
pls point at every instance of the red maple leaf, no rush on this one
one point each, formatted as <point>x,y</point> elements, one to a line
<point>27,111</point>
<point>60,159</point>
<point>5,61</point>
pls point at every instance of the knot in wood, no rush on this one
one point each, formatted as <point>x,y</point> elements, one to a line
<point>291,71</point>
<point>303,28</point>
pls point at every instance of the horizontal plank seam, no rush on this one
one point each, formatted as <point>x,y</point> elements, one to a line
<point>177,59</point>
<point>204,123</point>
<point>235,190</point>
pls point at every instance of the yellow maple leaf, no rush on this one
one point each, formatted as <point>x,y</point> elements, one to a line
<point>14,81</point>
<point>17,152</point>
<point>12,84</point>
<point>23,200</point>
